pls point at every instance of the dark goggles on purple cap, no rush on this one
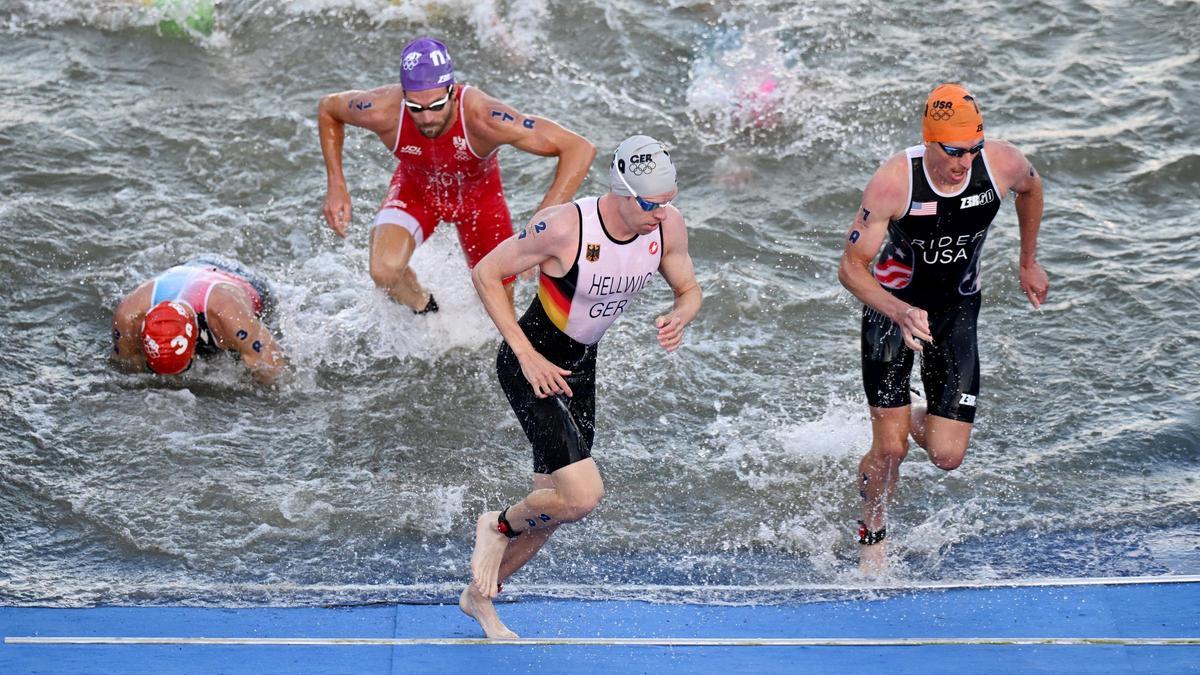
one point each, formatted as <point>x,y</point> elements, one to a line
<point>436,106</point>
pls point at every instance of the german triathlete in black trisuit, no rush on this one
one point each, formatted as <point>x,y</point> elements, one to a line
<point>595,256</point>
<point>565,323</point>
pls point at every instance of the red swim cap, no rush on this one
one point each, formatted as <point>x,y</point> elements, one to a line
<point>169,337</point>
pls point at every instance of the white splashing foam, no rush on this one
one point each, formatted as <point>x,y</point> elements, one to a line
<point>333,315</point>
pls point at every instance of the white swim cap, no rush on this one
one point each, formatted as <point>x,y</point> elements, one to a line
<point>646,166</point>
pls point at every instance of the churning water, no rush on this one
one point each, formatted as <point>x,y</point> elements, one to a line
<point>129,144</point>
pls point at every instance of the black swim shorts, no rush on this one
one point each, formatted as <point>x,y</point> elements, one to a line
<point>949,366</point>
<point>560,428</point>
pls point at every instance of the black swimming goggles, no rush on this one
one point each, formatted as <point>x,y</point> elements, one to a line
<point>959,152</point>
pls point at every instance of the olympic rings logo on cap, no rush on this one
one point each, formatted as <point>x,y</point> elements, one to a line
<point>642,168</point>
<point>942,111</point>
<point>412,60</point>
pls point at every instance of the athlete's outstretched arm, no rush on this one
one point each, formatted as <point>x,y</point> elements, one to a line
<point>495,123</point>
<point>677,269</point>
<point>1023,179</point>
<point>883,200</point>
<point>377,110</point>
<point>544,241</point>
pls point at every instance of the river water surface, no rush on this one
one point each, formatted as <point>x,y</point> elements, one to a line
<point>730,464</point>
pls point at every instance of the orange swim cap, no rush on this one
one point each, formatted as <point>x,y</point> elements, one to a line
<point>951,115</point>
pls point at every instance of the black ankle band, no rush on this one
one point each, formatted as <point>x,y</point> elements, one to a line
<point>868,537</point>
<point>503,526</point>
<point>430,306</point>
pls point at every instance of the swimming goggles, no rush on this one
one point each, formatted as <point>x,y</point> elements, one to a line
<point>646,204</point>
<point>959,152</point>
<point>436,106</point>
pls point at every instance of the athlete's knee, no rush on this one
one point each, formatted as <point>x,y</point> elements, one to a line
<point>890,451</point>
<point>947,458</point>
<point>578,506</point>
<point>388,272</point>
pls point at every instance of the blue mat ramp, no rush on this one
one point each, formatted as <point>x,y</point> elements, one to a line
<point>1105,626</point>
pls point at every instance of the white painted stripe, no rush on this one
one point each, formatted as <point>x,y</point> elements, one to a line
<point>612,642</point>
<point>905,586</point>
<point>590,590</point>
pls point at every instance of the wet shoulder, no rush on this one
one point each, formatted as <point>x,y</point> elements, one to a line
<point>555,223</point>
<point>887,190</point>
<point>130,310</point>
<point>674,231</point>
<point>1004,160</point>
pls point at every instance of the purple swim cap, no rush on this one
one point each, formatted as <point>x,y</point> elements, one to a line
<point>425,64</point>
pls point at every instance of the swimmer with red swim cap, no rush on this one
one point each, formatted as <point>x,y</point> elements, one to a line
<point>445,135</point>
<point>912,256</point>
<point>203,306</point>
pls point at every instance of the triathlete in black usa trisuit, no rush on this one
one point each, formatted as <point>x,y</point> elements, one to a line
<point>932,261</point>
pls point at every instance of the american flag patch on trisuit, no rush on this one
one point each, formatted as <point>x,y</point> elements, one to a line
<point>923,209</point>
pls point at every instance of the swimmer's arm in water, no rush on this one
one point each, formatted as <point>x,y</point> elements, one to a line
<point>236,328</point>
<point>676,268</point>
<point>377,110</point>
<point>493,123</point>
<point>127,353</point>
<point>883,200</point>
<point>1017,173</point>
<point>550,240</point>
<point>261,354</point>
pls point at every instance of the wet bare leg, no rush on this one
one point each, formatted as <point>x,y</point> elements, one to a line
<point>917,422</point>
<point>522,549</point>
<point>872,560</point>
<point>391,248</point>
<point>474,605</point>
<point>878,473</point>
<point>490,545</point>
<point>946,441</point>
<point>569,493</point>
<point>518,552</point>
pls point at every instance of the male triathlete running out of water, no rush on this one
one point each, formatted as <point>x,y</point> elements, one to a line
<point>929,208</point>
<point>446,136</point>
<point>596,254</point>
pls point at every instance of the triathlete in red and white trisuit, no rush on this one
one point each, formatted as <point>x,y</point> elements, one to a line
<point>193,282</point>
<point>446,137</point>
<point>443,179</point>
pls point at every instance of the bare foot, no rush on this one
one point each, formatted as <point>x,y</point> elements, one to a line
<point>872,560</point>
<point>489,551</point>
<point>474,605</point>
